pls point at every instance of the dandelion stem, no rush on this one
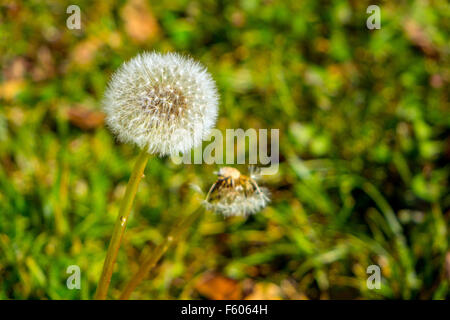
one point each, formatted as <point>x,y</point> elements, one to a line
<point>121,223</point>
<point>152,258</point>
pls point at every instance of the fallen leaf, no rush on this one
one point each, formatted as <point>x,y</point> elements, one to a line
<point>84,118</point>
<point>140,23</point>
<point>418,37</point>
<point>265,291</point>
<point>238,19</point>
<point>217,287</point>
<point>16,70</point>
<point>85,51</point>
<point>436,81</point>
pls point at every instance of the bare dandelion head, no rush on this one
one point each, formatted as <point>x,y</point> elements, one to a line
<point>166,103</point>
<point>234,194</point>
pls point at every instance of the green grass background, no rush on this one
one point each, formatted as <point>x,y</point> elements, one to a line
<point>364,148</point>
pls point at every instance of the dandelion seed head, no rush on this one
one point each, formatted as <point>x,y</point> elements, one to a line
<point>234,194</point>
<point>166,103</point>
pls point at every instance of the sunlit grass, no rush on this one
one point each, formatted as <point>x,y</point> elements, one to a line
<point>364,163</point>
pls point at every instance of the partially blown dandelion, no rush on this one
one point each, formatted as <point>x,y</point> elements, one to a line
<point>235,194</point>
<point>232,194</point>
<point>165,103</point>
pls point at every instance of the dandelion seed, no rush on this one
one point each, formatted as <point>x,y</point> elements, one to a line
<point>234,194</point>
<point>166,103</point>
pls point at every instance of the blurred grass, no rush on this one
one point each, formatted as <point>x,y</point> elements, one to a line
<point>364,148</point>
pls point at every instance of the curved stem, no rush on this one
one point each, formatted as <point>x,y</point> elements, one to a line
<point>121,223</point>
<point>153,257</point>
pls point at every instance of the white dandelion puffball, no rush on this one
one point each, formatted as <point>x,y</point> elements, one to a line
<point>235,194</point>
<point>166,103</point>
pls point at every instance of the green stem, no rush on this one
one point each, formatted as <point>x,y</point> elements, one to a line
<point>121,224</point>
<point>153,257</point>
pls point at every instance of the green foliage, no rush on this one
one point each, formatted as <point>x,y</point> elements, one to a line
<point>364,147</point>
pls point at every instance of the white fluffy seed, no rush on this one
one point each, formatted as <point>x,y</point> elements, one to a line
<point>166,103</point>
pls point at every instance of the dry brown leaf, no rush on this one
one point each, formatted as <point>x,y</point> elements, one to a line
<point>265,291</point>
<point>238,19</point>
<point>217,287</point>
<point>418,37</point>
<point>16,70</point>
<point>84,52</point>
<point>84,118</point>
<point>436,81</point>
<point>140,23</point>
